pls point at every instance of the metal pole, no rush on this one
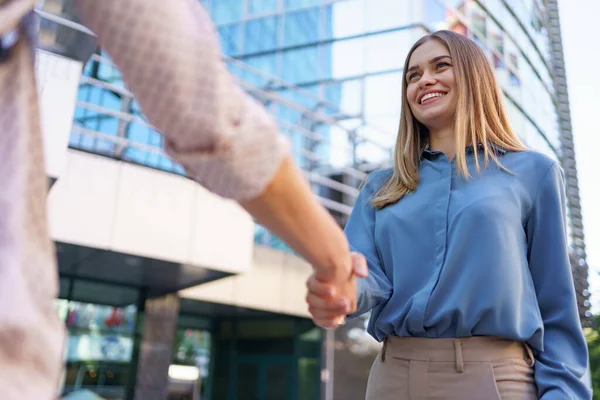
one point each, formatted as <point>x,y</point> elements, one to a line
<point>327,364</point>
<point>137,341</point>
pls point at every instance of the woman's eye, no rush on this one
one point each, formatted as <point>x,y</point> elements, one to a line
<point>442,65</point>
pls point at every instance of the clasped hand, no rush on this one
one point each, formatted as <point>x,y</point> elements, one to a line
<point>329,302</point>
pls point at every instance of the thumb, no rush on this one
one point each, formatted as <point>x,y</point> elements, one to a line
<point>359,265</point>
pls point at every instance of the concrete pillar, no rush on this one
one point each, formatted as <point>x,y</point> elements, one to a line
<point>160,322</point>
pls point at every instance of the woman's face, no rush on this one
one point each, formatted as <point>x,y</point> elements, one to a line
<point>431,90</point>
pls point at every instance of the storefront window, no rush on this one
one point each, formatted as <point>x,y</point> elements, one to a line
<point>99,347</point>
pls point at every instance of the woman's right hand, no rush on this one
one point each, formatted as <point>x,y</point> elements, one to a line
<point>330,302</point>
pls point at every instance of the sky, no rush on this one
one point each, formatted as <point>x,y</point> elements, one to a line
<point>583,79</point>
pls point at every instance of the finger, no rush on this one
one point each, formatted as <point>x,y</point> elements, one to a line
<point>359,265</point>
<point>326,319</point>
<point>327,323</point>
<point>325,315</point>
<point>320,288</point>
<point>339,306</point>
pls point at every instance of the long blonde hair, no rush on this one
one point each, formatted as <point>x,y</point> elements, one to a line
<point>480,119</point>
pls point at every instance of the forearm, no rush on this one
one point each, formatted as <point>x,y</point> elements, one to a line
<point>292,212</point>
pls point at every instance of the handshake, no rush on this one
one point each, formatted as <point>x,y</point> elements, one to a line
<point>330,301</point>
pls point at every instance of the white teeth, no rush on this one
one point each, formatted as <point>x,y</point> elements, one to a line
<point>431,95</point>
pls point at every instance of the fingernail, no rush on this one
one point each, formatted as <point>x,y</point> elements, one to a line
<point>360,264</point>
<point>363,266</point>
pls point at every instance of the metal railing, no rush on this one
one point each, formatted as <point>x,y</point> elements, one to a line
<point>293,128</point>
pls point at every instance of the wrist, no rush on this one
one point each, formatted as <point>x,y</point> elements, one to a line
<point>337,265</point>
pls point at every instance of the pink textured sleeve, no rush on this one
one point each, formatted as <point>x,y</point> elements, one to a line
<point>169,55</point>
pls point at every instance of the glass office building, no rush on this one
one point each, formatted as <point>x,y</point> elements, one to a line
<point>330,72</point>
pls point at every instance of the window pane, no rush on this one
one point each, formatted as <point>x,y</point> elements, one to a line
<point>348,58</point>
<point>292,4</point>
<point>267,66</point>
<point>348,18</point>
<point>383,95</point>
<point>300,65</point>
<point>230,39</point>
<point>261,34</point>
<point>379,55</point>
<point>261,6</point>
<point>301,27</point>
<point>386,14</point>
<point>435,15</point>
<point>224,11</point>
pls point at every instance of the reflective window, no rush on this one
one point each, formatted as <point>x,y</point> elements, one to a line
<point>261,34</point>
<point>348,57</point>
<point>386,14</point>
<point>301,27</point>
<point>479,20</point>
<point>300,65</point>
<point>383,94</point>
<point>435,15</point>
<point>292,4</point>
<point>348,18</point>
<point>325,62</point>
<point>350,95</point>
<point>261,6</point>
<point>224,11</point>
<point>267,66</point>
<point>230,39</point>
<point>378,54</point>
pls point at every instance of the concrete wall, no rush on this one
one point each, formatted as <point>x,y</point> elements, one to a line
<point>275,283</point>
<point>108,204</point>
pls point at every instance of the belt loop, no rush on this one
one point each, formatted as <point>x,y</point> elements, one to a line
<point>458,356</point>
<point>383,349</point>
<point>529,358</point>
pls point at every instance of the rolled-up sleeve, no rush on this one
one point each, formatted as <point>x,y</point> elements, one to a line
<point>562,362</point>
<point>376,288</point>
<point>169,55</point>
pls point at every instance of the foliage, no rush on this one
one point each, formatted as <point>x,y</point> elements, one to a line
<point>593,340</point>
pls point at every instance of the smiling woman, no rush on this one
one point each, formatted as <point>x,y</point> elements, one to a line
<point>469,281</point>
<point>450,65</point>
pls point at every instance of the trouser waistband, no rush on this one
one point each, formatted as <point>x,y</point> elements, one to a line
<point>472,349</point>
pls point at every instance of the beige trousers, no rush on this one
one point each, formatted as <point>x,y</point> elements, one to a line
<point>477,368</point>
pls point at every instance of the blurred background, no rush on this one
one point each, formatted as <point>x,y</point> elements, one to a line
<point>150,260</point>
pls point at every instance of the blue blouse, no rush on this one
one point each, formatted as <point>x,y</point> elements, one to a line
<point>484,256</point>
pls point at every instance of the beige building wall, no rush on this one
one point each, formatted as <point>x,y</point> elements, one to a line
<point>275,283</point>
<point>108,204</point>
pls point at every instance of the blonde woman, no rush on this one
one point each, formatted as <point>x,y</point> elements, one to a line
<point>469,281</point>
